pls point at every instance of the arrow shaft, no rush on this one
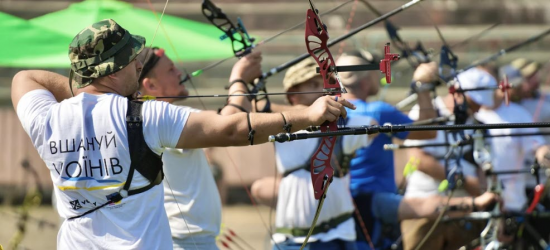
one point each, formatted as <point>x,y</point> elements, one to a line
<point>402,128</point>
<point>230,95</point>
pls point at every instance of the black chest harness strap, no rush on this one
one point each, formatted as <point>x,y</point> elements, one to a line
<point>143,159</point>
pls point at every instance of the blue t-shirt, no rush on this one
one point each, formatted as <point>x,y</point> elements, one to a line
<point>372,168</point>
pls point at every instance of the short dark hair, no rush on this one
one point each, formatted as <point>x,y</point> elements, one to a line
<point>149,57</point>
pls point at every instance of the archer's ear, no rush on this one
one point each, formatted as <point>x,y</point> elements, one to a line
<point>148,85</point>
<point>112,76</point>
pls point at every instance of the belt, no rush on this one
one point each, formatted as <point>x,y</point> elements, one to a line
<point>321,228</point>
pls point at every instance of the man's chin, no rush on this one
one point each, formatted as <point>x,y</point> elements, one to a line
<point>184,93</point>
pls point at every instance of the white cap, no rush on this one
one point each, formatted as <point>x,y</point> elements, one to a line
<point>357,58</point>
<point>478,78</point>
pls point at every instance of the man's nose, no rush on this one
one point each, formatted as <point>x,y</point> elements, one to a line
<point>139,65</point>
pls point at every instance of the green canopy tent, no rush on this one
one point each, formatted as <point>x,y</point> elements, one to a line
<point>26,45</point>
<point>191,40</point>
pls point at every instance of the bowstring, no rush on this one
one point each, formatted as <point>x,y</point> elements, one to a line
<point>348,28</point>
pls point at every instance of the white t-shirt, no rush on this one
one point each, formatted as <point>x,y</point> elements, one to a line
<point>420,184</point>
<point>296,203</point>
<point>538,107</point>
<point>191,197</point>
<point>83,141</point>
<point>509,153</point>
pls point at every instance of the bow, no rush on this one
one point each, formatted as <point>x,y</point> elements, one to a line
<point>322,172</point>
<point>316,38</point>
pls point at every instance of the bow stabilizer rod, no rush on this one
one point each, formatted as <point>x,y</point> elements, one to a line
<point>374,129</point>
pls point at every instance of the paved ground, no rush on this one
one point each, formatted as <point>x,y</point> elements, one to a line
<point>243,220</point>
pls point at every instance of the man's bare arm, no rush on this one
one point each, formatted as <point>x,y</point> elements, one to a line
<point>425,73</point>
<point>29,80</point>
<point>431,166</point>
<point>275,107</point>
<point>427,163</point>
<point>246,69</point>
<point>205,129</point>
<point>430,207</point>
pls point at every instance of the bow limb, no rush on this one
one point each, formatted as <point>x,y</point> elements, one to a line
<point>316,38</point>
<point>240,39</point>
<point>241,42</point>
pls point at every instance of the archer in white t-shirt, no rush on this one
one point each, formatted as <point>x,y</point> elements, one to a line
<point>524,76</point>
<point>191,198</point>
<point>83,140</point>
<point>516,153</point>
<point>296,204</point>
<point>425,181</point>
<point>510,153</point>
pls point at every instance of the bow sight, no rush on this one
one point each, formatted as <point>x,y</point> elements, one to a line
<point>384,66</point>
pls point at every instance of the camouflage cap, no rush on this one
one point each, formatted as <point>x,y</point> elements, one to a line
<point>300,73</point>
<point>101,49</point>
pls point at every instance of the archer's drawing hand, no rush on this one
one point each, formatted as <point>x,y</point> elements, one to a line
<point>543,156</point>
<point>248,68</point>
<point>486,200</point>
<point>327,109</point>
